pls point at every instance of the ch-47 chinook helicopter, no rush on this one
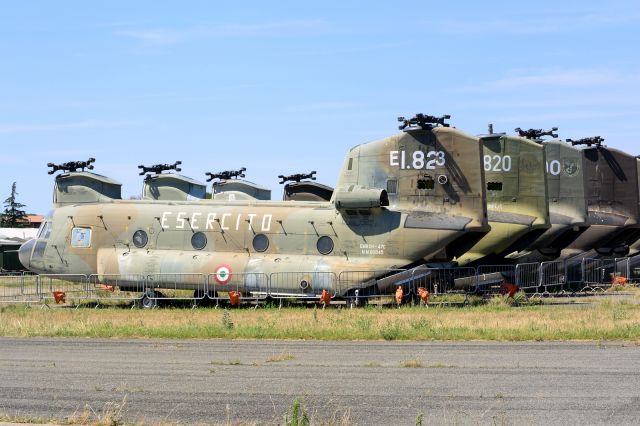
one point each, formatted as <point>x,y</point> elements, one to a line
<point>399,200</point>
<point>611,193</point>
<point>516,197</point>
<point>565,195</point>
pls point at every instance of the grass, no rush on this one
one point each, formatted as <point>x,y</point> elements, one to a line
<point>411,363</point>
<point>602,320</point>
<point>281,357</point>
<point>115,414</point>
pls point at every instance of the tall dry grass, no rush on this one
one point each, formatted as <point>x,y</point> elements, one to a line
<point>604,320</point>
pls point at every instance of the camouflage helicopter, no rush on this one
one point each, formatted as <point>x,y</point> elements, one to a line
<point>516,197</point>
<point>399,200</point>
<point>565,196</point>
<point>611,193</point>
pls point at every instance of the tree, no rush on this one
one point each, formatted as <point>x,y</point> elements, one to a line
<point>13,216</point>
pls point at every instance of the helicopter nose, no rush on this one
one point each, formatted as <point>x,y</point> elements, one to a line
<point>25,252</point>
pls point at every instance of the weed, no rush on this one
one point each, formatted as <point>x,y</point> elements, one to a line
<point>499,301</point>
<point>364,324</point>
<point>421,324</point>
<point>411,363</point>
<point>391,331</point>
<point>285,356</point>
<point>373,364</point>
<point>112,414</point>
<point>419,419</point>
<point>23,419</point>
<point>299,416</point>
<point>227,323</point>
<point>440,365</point>
<point>231,362</point>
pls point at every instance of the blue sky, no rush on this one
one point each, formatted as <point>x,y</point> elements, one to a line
<point>286,87</point>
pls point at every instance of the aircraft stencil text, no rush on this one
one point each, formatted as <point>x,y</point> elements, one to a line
<point>215,221</point>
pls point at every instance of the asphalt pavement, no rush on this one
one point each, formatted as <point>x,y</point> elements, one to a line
<point>229,381</point>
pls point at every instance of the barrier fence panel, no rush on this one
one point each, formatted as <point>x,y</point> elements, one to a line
<point>62,288</point>
<point>598,273</point>
<point>438,281</point>
<point>634,269</point>
<point>170,286</point>
<point>303,284</point>
<point>493,278</point>
<point>553,274</point>
<point>252,285</point>
<point>527,276</point>
<point>621,272</point>
<point>575,269</point>
<point>374,283</point>
<point>116,287</point>
<point>18,288</point>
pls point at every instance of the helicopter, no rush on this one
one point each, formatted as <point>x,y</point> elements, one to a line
<point>516,197</point>
<point>399,201</point>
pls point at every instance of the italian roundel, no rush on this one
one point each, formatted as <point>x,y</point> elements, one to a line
<point>223,274</point>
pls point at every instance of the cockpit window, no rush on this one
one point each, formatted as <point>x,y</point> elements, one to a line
<point>41,229</point>
<point>45,230</point>
<point>81,237</point>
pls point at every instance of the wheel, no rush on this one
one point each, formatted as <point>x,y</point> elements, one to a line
<point>149,299</point>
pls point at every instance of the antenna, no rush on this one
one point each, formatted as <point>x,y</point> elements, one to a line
<point>227,174</point>
<point>536,134</point>
<point>71,166</point>
<point>594,140</point>
<point>159,168</point>
<point>297,177</point>
<point>422,121</point>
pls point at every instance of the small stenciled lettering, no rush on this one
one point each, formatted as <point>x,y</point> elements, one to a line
<point>222,223</point>
<point>163,222</point>
<point>211,217</point>
<point>266,223</point>
<point>194,219</point>
<point>180,220</point>
<point>372,249</point>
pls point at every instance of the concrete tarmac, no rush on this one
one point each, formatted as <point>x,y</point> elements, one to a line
<point>220,381</point>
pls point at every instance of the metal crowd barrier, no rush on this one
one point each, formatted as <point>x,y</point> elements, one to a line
<point>622,271</point>
<point>590,275</point>
<point>361,285</point>
<point>175,286</point>
<point>492,278</point>
<point>18,288</point>
<point>116,287</point>
<point>62,288</point>
<point>527,276</point>
<point>303,284</point>
<point>574,274</point>
<point>439,281</point>
<point>597,274</point>
<point>553,274</point>
<point>250,285</point>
